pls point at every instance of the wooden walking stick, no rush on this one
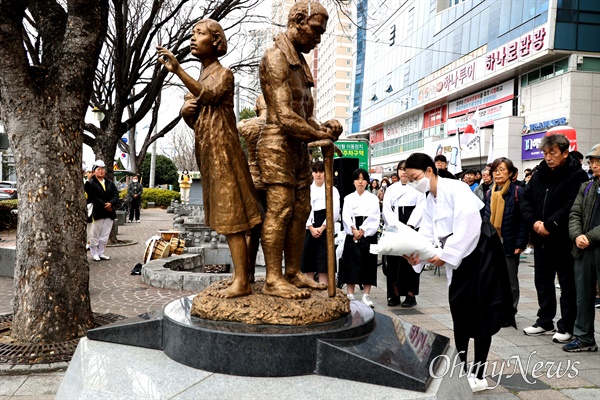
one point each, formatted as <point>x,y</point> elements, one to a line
<point>328,148</point>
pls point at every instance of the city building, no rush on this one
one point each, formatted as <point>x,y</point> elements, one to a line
<point>426,69</point>
<point>332,63</point>
<point>259,41</point>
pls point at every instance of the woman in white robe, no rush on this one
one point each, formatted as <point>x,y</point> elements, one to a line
<point>314,254</point>
<point>360,217</point>
<point>399,205</point>
<point>479,292</point>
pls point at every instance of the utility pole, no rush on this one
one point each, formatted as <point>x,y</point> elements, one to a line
<point>237,102</point>
<point>152,165</point>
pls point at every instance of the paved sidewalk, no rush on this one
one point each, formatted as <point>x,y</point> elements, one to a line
<point>559,375</point>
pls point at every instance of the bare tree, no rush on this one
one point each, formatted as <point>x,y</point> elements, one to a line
<point>129,80</point>
<point>48,54</point>
<point>180,143</point>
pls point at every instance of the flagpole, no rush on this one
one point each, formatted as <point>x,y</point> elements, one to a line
<point>480,164</point>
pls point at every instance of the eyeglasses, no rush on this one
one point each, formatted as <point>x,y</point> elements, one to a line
<point>411,179</point>
<point>594,161</point>
<point>499,171</point>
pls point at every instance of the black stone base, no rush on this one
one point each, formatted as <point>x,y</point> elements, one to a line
<point>253,350</point>
<point>364,346</point>
<point>144,330</point>
<point>395,354</point>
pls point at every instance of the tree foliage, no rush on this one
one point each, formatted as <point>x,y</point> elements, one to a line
<point>164,174</point>
<point>246,113</point>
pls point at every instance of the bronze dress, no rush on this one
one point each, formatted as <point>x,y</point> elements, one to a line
<point>230,204</point>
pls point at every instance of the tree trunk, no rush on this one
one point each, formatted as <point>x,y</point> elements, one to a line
<point>51,263</point>
<point>43,108</point>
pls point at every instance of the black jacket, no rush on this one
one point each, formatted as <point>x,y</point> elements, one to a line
<point>548,197</point>
<point>133,189</point>
<point>514,231</point>
<point>98,196</point>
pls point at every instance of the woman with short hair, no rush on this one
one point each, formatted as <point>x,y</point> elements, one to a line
<point>360,217</point>
<point>503,211</point>
<point>314,254</point>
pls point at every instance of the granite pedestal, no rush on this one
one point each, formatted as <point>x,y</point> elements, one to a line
<point>361,347</point>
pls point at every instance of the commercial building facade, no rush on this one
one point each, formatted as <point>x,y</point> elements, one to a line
<point>523,66</point>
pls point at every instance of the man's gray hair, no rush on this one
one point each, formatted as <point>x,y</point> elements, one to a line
<point>548,142</point>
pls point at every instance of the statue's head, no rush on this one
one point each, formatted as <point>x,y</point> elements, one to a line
<point>218,39</point>
<point>307,21</point>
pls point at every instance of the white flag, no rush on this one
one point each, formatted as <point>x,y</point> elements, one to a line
<point>472,130</point>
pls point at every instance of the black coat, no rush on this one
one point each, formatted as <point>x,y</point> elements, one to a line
<point>99,197</point>
<point>133,189</point>
<point>514,231</point>
<point>549,196</point>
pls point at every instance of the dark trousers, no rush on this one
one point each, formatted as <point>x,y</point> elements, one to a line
<point>134,209</point>
<point>587,270</point>
<point>551,260</point>
<point>401,277</point>
<point>482,346</point>
<point>512,263</point>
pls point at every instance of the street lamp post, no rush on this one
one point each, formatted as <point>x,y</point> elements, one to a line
<point>98,114</point>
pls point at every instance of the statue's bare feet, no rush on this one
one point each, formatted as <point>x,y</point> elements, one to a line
<point>236,289</point>
<point>302,281</point>
<point>282,288</point>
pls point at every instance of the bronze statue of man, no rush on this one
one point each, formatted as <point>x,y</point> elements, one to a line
<point>286,83</point>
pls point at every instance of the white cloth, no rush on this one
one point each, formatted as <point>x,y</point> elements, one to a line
<point>317,202</point>
<point>399,195</point>
<point>452,221</point>
<point>365,205</point>
<point>401,240</point>
<point>100,232</point>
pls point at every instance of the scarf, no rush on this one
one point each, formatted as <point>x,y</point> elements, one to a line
<point>497,206</point>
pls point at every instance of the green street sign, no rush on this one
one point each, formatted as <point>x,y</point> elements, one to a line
<point>355,149</point>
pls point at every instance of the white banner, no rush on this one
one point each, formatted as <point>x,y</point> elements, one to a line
<point>487,116</point>
<point>483,99</point>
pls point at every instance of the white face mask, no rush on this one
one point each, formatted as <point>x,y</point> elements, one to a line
<point>423,185</point>
<point>384,184</point>
<point>135,181</point>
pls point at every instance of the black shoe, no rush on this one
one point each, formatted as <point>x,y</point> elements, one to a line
<point>410,301</point>
<point>393,301</point>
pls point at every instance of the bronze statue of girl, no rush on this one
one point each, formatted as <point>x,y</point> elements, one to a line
<point>230,204</point>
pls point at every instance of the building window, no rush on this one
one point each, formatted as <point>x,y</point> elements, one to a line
<point>546,72</point>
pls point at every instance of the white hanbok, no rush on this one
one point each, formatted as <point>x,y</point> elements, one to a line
<point>360,212</point>
<point>451,220</point>
<point>314,253</point>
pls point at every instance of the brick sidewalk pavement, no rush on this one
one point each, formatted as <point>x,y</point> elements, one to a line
<point>114,290</point>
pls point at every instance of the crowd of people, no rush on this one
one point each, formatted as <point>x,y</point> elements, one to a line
<point>481,221</point>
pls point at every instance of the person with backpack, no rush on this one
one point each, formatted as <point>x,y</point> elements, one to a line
<point>502,210</point>
<point>584,231</point>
